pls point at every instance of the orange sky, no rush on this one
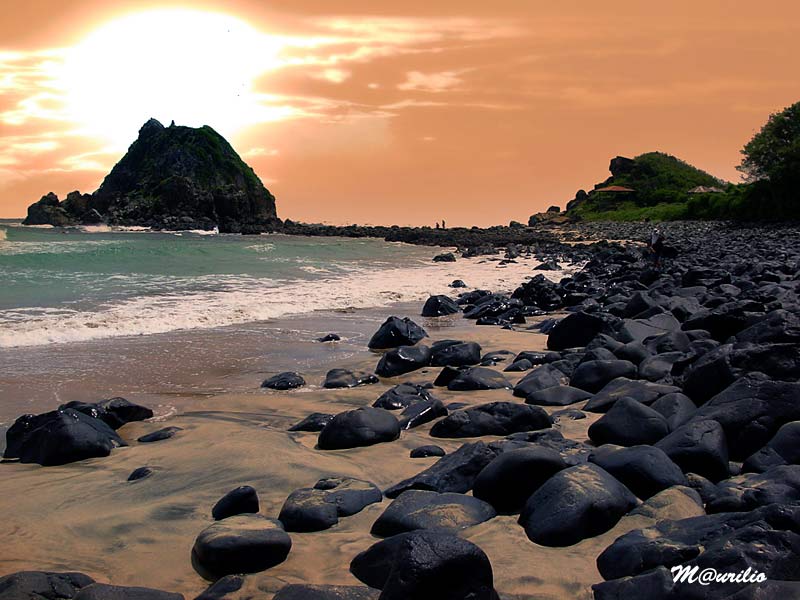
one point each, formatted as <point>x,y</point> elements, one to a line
<point>393,112</point>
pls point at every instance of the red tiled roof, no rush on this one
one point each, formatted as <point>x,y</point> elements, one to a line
<point>614,188</point>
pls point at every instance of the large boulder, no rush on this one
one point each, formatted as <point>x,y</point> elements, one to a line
<point>644,470</point>
<point>541,378</point>
<point>629,423</point>
<point>478,378</point>
<point>676,408</point>
<point>363,426</point>
<point>426,565</point>
<point>303,591</point>
<point>558,395</point>
<point>288,380</point>
<point>751,411</point>
<point>594,375</point>
<point>782,449</point>
<point>320,507</point>
<point>422,412</point>
<point>576,330</point>
<point>762,541</point>
<point>343,378</point>
<point>114,412</point>
<point>313,422</point>
<point>438,306</point>
<point>404,359</point>
<point>452,353</point>
<point>699,447</point>
<point>396,332</point>
<point>241,544</point>
<point>59,437</point>
<point>510,479</point>
<point>779,485</point>
<point>575,504</point>
<point>42,585</point>
<point>645,392</point>
<point>104,591</point>
<point>455,472</point>
<point>495,418</point>
<point>402,396</point>
<point>422,509</point>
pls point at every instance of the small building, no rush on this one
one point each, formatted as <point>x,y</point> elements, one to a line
<point>706,189</point>
<point>615,189</point>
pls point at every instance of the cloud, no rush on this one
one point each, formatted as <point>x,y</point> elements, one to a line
<point>332,75</point>
<point>430,82</point>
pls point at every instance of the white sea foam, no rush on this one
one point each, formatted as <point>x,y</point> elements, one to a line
<point>250,299</point>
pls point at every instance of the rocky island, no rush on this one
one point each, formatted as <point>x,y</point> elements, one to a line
<point>171,178</point>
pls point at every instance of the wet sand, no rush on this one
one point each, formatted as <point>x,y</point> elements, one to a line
<point>86,517</point>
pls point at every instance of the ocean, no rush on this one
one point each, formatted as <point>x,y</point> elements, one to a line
<point>87,313</point>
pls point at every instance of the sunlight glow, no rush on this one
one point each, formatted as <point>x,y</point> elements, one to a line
<point>194,67</point>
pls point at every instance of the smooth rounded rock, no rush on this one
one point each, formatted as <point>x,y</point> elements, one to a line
<point>421,509</point>
<point>288,380</point>
<point>360,427</point>
<point>243,499</point>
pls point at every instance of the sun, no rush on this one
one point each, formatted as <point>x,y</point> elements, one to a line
<point>195,67</point>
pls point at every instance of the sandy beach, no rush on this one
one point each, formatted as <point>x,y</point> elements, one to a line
<point>141,533</point>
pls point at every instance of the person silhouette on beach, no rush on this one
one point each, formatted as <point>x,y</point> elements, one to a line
<point>443,225</point>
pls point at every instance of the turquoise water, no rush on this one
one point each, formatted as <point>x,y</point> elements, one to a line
<point>75,285</point>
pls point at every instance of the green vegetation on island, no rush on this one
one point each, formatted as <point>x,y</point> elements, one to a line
<point>660,187</point>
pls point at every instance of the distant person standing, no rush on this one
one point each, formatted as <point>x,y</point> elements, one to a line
<point>437,224</point>
<point>656,247</point>
<point>444,226</point>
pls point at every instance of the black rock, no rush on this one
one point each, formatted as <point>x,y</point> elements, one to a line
<point>645,392</point>
<point>284,381</point>
<point>42,585</point>
<point>783,448</point>
<point>222,587</point>
<point>457,283</point>
<point>594,375</point>
<point>444,257</point>
<point>241,544</point>
<point>628,423</point>
<point>574,504</point>
<point>437,306</point>
<point>764,540</point>
<point>319,508</point>
<point>509,480</point>
<point>422,412</point>
<point>575,330</point>
<point>557,395</point>
<point>140,473</point>
<point>426,451</point>
<point>698,447</point>
<point>238,501</point>
<point>426,565</point>
<point>403,360</point>
<point>422,509</point>
<point>495,418</point>
<point>778,485</point>
<point>519,366</point>
<point>360,427</point>
<point>397,332</point>
<point>750,411</point>
<point>402,396</point>
<point>331,337</point>
<point>313,422</point>
<point>676,408</point>
<point>342,378</point>
<point>447,375</point>
<point>59,437</point>
<point>302,591</point>
<point>644,470</point>
<point>103,591</point>
<point>541,378</point>
<point>478,378</point>
<point>157,436</point>
<point>455,354</point>
<point>114,412</point>
<point>455,472</point>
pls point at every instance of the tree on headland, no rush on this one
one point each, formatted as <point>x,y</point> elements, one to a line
<point>774,152</point>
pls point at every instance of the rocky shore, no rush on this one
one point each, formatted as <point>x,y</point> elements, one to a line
<point>598,433</point>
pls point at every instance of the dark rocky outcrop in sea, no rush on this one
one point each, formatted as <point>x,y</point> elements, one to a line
<point>171,178</point>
